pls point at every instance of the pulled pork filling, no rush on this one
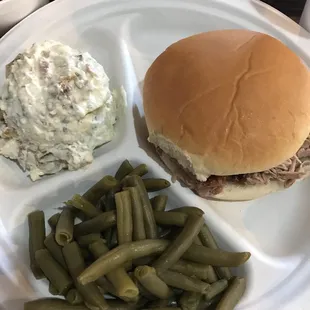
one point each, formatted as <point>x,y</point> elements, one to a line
<point>288,172</point>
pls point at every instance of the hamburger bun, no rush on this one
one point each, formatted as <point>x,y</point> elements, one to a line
<point>233,192</point>
<point>228,102</point>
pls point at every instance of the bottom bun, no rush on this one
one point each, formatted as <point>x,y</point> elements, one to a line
<point>228,192</point>
<point>233,192</point>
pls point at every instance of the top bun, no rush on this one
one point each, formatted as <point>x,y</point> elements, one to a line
<point>228,102</point>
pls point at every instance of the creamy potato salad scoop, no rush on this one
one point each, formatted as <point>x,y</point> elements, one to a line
<point>56,108</point>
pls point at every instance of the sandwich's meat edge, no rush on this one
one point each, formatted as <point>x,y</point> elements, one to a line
<point>288,173</point>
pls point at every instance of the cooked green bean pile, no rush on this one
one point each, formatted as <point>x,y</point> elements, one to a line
<point>114,247</point>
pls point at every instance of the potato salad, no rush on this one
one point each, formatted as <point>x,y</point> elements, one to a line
<point>56,107</point>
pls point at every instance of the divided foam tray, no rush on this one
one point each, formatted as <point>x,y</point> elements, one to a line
<point>125,37</point>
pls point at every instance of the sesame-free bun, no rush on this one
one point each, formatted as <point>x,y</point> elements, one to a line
<point>228,102</point>
<point>235,192</point>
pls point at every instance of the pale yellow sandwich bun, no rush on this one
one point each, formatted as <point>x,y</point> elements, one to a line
<point>228,102</point>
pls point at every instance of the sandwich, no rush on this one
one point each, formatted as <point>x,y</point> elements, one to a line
<point>229,113</point>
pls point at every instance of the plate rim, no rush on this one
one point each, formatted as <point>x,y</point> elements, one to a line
<point>240,4</point>
<point>237,4</point>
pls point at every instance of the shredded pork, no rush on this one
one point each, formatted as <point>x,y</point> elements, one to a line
<point>288,173</point>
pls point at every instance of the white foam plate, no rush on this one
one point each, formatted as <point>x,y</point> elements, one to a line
<point>125,37</point>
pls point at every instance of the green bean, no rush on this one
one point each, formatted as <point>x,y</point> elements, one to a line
<point>183,282</point>
<point>190,300</point>
<point>142,290</point>
<point>123,217</point>
<point>74,297</point>
<point>205,235</point>
<point>159,202</point>
<point>53,220</point>
<point>181,244</point>
<point>136,249</point>
<point>154,185</point>
<point>215,289</point>
<point>82,204</point>
<point>99,189</point>
<point>64,228</point>
<point>212,277</point>
<point>78,214</point>
<point>140,170</point>
<point>109,205</point>
<point>191,269</point>
<point>36,224</point>
<point>98,248</point>
<point>206,239</point>
<point>215,257</point>
<point>170,218</point>
<point>223,273</point>
<point>75,262</point>
<point>52,304</point>
<point>148,278</point>
<point>188,259</point>
<point>55,249</point>
<point>197,241</point>
<point>233,294</point>
<point>52,289</point>
<point>179,219</point>
<point>101,203</point>
<point>53,271</point>
<point>188,210</point>
<point>124,169</point>
<point>96,225</point>
<point>137,215</point>
<point>106,286</point>
<point>174,218</point>
<point>120,255</point>
<point>148,216</point>
<point>86,240</point>
<point>125,288</point>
